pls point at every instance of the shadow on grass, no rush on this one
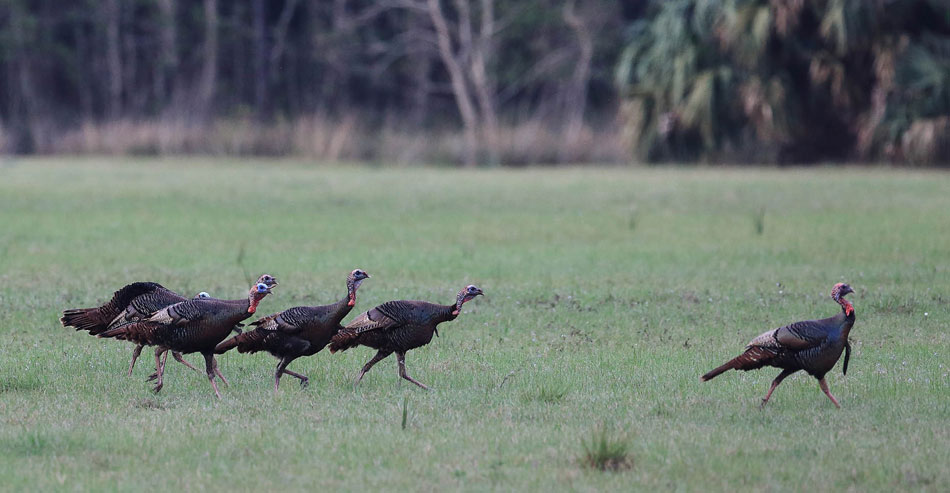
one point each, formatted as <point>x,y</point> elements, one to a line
<point>151,403</point>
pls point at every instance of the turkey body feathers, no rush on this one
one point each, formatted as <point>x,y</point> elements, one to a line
<point>131,303</point>
<point>187,327</point>
<point>295,332</point>
<point>812,345</point>
<point>395,326</point>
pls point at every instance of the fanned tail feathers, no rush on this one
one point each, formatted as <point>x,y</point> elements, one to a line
<point>83,319</point>
<point>753,357</point>
<point>96,320</point>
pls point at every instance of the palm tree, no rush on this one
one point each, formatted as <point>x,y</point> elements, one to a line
<point>796,80</point>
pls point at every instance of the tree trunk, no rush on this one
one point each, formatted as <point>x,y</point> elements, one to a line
<point>575,102</point>
<point>260,57</point>
<point>209,69</point>
<point>167,64</point>
<point>83,86</point>
<point>112,13</point>
<point>484,88</point>
<point>460,90</point>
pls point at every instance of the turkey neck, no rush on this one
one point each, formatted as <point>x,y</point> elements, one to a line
<point>249,304</point>
<point>446,313</point>
<point>341,309</point>
<point>847,311</point>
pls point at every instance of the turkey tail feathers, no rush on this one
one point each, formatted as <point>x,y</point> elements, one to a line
<point>246,342</point>
<point>83,319</point>
<point>714,373</point>
<point>343,341</point>
<point>754,357</point>
<point>227,345</point>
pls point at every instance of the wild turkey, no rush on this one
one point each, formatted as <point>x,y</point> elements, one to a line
<point>813,346</point>
<point>296,332</point>
<point>192,326</point>
<point>132,303</point>
<point>398,326</point>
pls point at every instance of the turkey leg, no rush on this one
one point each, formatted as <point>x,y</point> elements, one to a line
<point>135,355</point>
<point>778,380</point>
<point>402,371</point>
<point>209,369</point>
<point>159,370</point>
<point>178,358</point>
<point>824,388</point>
<point>218,373</point>
<point>380,355</point>
<point>304,381</point>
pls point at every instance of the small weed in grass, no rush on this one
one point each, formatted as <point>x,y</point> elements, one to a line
<point>547,393</point>
<point>758,221</point>
<point>405,411</point>
<point>606,451</point>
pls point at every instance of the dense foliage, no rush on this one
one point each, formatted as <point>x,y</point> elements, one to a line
<point>797,80</point>
<point>480,81</point>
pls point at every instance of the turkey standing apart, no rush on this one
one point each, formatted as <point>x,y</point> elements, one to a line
<point>132,303</point>
<point>296,332</point>
<point>398,326</point>
<point>193,326</point>
<point>813,346</point>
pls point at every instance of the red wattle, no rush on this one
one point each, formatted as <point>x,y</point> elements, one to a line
<point>848,307</point>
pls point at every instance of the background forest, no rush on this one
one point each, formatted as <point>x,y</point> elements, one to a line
<point>480,81</point>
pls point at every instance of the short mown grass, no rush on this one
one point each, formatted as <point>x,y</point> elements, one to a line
<point>608,293</point>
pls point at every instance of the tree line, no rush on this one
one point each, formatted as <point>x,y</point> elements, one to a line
<point>790,81</point>
<point>480,81</point>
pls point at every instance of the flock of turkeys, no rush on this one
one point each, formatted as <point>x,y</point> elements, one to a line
<point>148,314</point>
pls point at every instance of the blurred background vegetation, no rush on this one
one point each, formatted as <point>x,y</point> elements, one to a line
<point>480,81</point>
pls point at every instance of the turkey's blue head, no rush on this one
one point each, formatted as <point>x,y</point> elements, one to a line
<point>353,282</point>
<point>202,295</point>
<point>468,293</point>
<point>259,290</point>
<point>267,279</point>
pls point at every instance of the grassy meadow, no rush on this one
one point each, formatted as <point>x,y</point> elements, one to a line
<point>609,291</point>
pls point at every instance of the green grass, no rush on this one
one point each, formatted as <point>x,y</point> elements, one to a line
<point>608,293</point>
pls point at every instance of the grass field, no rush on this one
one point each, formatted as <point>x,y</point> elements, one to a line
<point>608,292</point>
